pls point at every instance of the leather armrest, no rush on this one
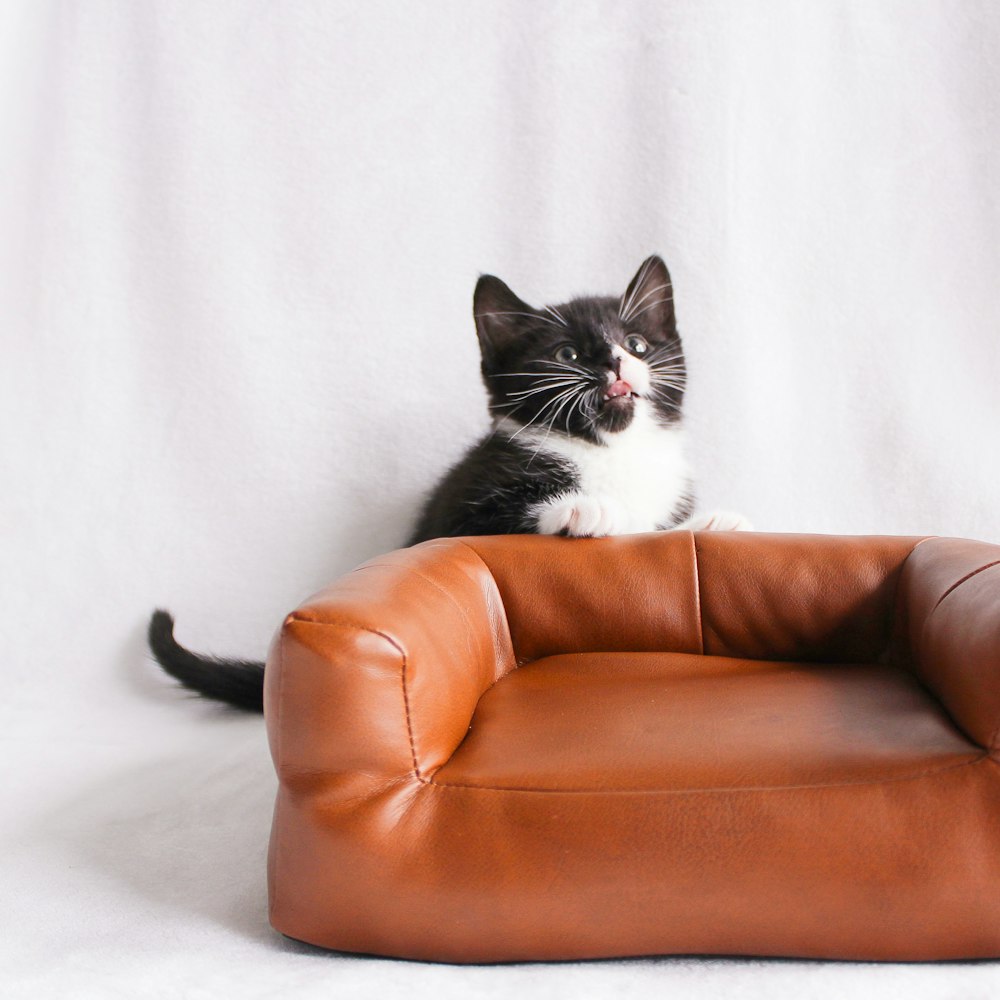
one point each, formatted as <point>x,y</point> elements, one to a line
<point>378,675</point>
<point>950,623</point>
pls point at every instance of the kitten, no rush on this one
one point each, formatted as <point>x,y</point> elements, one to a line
<point>586,401</point>
<point>587,440</point>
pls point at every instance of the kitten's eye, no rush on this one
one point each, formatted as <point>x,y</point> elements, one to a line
<point>635,344</point>
<point>566,354</point>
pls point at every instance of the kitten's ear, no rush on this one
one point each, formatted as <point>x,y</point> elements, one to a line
<point>499,314</point>
<point>649,299</point>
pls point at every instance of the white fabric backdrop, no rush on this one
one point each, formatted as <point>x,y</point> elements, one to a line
<point>238,245</point>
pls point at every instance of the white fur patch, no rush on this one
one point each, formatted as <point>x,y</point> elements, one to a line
<point>716,520</point>
<point>632,483</point>
<point>633,370</point>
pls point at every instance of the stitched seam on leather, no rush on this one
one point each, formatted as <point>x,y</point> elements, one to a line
<point>513,657</point>
<point>429,779</point>
<point>697,593</point>
<point>958,583</point>
<point>409,719</point>
<point>427,579</point>
<point>406,695</point>
<point>451,597</point>
<point>468,624</point>
<point>735,789</point>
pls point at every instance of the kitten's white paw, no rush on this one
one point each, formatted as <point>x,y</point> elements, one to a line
<point>717,520</point>
<point>582,517</point>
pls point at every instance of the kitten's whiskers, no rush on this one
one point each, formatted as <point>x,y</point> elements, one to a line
<point>631,312</point>
<point>512,312</point>
<point>636,287</point>
<point>535,390</point>
<point>541,413</point>
<point>652,305</point>
<point>558,315</point>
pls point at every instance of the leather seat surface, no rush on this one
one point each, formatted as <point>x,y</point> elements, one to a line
<point>661,721</point>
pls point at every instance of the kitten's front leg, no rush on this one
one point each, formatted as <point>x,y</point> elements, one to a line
<point>581,516</point>
<point>716,520</point>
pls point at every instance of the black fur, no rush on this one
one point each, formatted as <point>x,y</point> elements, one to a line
<point>491,492</point>
<point>495,487</point>
<point>239,683</point>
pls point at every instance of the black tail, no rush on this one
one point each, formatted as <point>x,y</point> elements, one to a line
<point>236,682</point>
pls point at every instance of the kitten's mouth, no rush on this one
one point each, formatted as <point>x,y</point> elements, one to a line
<point>619,395</point>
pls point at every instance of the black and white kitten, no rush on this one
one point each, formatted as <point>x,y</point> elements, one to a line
<point>586,400</point>
<point>587,440</point>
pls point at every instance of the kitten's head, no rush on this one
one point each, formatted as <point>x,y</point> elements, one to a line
<point>582,367</point>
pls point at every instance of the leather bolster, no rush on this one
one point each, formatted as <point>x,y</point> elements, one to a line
<point>950,611</point>
<point>743,594</point>
<point>378,675</point>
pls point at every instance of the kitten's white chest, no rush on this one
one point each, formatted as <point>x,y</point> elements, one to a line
<point>633,483</point>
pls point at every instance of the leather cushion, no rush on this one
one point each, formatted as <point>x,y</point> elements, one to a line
<point>670,721</point>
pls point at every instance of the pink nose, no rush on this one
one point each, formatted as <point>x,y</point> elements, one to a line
<point>618,388</point>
